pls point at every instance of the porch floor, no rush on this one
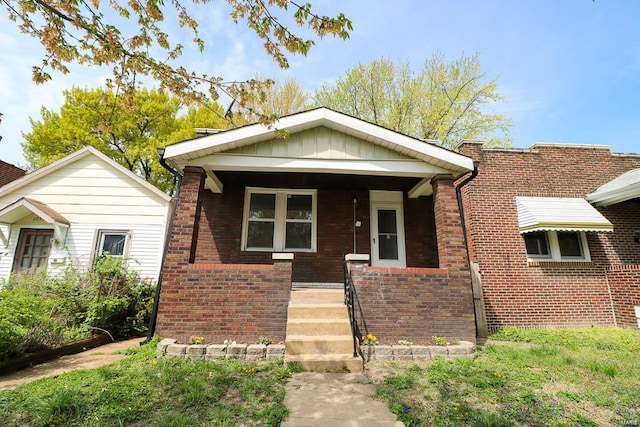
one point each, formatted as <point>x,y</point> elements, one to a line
<point>316,285</point>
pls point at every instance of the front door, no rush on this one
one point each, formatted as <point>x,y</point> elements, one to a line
<point>387,233</point>
<point>32,253</point>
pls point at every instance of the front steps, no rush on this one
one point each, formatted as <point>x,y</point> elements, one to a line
<point>318,331</point>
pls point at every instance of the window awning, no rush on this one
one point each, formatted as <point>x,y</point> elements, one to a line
<point>25,206</point>
<point>624,187</point>
<point>560,214</point>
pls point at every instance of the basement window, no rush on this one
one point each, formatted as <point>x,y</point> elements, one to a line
<point>279,220</point>
<point>556,246</point>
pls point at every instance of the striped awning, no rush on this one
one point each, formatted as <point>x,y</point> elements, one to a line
<point>560,214</point>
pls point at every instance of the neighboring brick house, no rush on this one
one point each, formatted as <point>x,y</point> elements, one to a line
<point>547,257</point>
<point>9,172</point>
<point>258,214</point>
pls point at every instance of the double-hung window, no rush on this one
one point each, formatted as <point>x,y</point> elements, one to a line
<point>114,243</point>
<point>279,220</point>
<point>557,246</point>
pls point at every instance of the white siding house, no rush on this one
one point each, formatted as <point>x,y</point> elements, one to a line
<point>77,208</point>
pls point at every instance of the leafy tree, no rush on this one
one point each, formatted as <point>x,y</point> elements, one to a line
<point>122,34</point>
<point>445,100</point>
<point>280,99</point>
<point>127,132</point>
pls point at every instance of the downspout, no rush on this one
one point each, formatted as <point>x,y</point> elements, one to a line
<point>156,298</point>
<point>468,179</point>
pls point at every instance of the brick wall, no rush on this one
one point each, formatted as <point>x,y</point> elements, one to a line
<point>542,294</point>
<point>219,238</point>
<point>9,172</point>
<point>413,304</point>
<point>624,281</point>
<point>226,301</point>
<point>217,301</point>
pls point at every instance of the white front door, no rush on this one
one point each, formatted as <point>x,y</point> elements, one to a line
<point>387,230</point>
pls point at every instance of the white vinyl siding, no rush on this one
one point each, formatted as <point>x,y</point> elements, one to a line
<point>321,143</point>
<point>89,190</point>
<point>93,195</point>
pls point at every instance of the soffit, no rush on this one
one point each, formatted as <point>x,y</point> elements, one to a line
<point>620,189</point>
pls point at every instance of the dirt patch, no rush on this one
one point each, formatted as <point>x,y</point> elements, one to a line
<point>89,359</point>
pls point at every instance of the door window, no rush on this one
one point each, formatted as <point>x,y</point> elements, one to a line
<point>33,250</point>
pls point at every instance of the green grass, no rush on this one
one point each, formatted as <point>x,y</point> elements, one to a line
<point>141,391</point>
<point>568,377</point>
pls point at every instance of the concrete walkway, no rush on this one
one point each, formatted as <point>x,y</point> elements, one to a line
<point>335,400</point>
<point>89,359</point>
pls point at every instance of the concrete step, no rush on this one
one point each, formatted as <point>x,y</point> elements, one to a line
<point>328,362</point>
<point>317,296</point>
<point>318,344</point>
<point>318,311</point>
<point>318,327</point>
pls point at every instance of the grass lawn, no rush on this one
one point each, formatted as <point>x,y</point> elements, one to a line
<point>141,391</point>
<point>572,377</point>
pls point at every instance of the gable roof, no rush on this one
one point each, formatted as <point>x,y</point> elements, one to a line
<point>181,153</point>
<point>620,189</point>
<point>61,163</point>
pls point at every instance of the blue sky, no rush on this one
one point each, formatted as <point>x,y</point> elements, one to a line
<point>570,68</point>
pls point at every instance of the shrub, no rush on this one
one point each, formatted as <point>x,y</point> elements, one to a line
<point>40,311</point>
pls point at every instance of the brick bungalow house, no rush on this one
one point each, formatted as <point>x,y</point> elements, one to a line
<point>554,231</point>
<point>260,216</point>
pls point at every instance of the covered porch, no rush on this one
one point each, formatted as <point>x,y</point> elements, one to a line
<point>257,215</point>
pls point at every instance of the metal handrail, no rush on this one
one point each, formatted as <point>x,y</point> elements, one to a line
<point>350,298</point>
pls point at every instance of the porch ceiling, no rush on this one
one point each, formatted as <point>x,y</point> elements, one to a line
<point>419,173</point>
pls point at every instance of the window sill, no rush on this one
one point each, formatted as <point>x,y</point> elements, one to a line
<point>560,263</point>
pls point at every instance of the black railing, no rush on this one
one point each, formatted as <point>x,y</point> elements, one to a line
<point>351,301</point>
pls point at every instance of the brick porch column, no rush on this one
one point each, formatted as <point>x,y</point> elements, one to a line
<point>451,249</point>
<point>184,234</point>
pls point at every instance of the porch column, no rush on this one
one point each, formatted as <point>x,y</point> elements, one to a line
<point>184,233</point>
<point>452,253</point>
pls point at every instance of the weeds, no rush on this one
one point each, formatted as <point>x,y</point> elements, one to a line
<point>567,377</point>
<point>141,390</point>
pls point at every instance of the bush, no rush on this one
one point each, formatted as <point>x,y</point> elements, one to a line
<point>39,311</point>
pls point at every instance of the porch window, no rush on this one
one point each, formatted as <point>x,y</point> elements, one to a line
<point>557,246</point>
<point>278,220</point>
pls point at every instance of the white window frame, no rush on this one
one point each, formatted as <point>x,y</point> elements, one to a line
<point>554,249</point>
<point>280,218</point>
<point>99,242</point>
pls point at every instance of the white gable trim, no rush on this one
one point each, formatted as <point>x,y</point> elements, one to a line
<point>227,162</point>
<point>182,153</point>
<point>59,223</point>
<point>61,163</point>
